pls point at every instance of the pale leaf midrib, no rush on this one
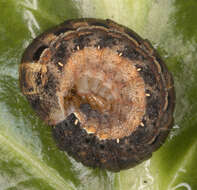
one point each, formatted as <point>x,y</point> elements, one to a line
<point>40,169</point>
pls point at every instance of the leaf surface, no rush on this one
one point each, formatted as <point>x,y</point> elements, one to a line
<point>29,158</point>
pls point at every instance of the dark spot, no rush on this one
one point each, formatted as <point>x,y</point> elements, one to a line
<point>102,146</point>
<point>30,89</point>
<point>131,53</point>
<point>38,52</point>
<point>82,41</point>
<point>144,121</point>
<point>60,52</point>
<point>148,76</point>
<point>106,41</point>
<point>87,140</point>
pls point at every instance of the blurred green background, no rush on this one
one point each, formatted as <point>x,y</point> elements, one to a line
<point>29,158</point>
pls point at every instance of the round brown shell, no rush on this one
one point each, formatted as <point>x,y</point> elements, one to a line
<point>105,91</point>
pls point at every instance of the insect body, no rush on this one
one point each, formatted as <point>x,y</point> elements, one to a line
<point>105,90</point>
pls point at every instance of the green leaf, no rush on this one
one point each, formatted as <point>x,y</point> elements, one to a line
<point>29,158</point>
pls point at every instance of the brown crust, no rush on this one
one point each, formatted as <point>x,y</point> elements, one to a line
<point>58,58</point>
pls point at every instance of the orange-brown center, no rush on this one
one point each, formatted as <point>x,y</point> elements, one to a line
<point>105,92</point>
